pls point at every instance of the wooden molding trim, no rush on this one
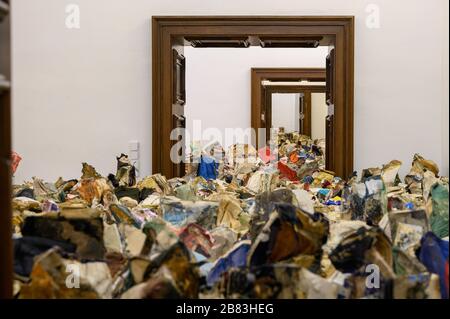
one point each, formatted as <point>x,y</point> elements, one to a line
<point>6,242</point>
<point>334,30</point>
<point>261,102</point>
<point>305,89</point>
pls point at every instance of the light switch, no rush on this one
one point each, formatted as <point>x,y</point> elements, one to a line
<point>133,146</point>
<point>133,155</point>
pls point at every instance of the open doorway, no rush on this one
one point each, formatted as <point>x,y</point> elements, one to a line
<point>297,109</point>
<point>218,95</point>
<point>172,34</point>
<point>287,95</point>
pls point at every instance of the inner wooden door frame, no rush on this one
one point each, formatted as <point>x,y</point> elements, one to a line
<point>337,30</point>
<point>307,90</point>
<point>261,103</point>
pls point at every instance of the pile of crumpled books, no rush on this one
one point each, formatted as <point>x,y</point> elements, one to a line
<point>271,223</point>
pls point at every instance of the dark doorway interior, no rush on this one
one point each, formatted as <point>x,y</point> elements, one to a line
<point>6,264</point>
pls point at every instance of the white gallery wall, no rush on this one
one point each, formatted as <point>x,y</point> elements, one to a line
<point>319,111</point>
<point>83,94</point>
<point>285,111</point>
<point>218,86</point>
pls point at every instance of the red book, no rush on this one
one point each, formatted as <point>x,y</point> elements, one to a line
<point>287,172</point>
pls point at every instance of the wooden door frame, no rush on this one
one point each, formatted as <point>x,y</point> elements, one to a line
<point>307,90</point>
<point>6,242</point>
<point>259,103</point>
<point>338,30</point>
